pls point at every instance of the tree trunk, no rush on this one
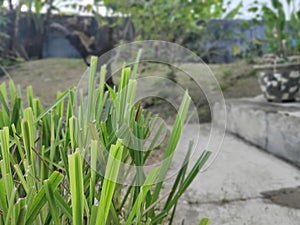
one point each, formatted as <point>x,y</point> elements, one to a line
<point>40,42</point>
<point>11,8</point>
<point>15,38</point>
<point>17,47</point>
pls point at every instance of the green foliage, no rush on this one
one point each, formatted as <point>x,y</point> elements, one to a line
<point>254,50</point>
<point>171,20</point>
<point>63,164</point>
<point>35,16</point>
<point>282,27</point>
<point>204,221</point>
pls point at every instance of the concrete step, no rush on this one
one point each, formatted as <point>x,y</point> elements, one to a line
<point>274,127</point>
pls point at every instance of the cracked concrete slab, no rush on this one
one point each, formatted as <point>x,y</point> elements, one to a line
<point>247,212</point>
<point>230,191</point>
<point>289,197</point>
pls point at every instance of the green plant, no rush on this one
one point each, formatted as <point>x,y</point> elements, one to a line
<point>176,19</point>
<point>293,43</point>
<point>254,50</point>
<point>64,164</point>
<point>282,26</point>
<point>40,20</point>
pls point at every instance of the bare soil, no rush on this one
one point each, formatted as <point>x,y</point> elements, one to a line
<point>48,76</point>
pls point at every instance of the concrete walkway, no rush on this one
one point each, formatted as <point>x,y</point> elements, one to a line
<point>235,190</point>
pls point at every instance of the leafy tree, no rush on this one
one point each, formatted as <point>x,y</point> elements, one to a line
<point>282,25</point>
<point>11,48</point>
<point>170,20</point>
<point>14,48</point>
<point>40,20</point>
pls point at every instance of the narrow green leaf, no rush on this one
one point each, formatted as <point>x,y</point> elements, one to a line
<point>5,162</point>
<point>3,99</point>
<point>204,221</point>
<point>94,156</point>
<point>21,203</point>
<point>40,199</point>
<point>173,140</point>
<point>91,92</point>
<point>101,95</point>
<point>12,91</point>
<point>179,180</point>
<point>63,205</point>
<point>93,216</point>
<point>76,183</point>
<point>60,106</point>
<point>136,64</point>
<point>53,105</point>
<point>4,118</point>
<point>9,216</point>
<point>185,184</point>
<point>230,15</point>
<point>22,178</point>
<point>52,203</point>
<point>108,187</point>
<point>30,96</point>
<point>16,111</point>
<point>137,207</point>
<point>4,143</point>
<point>3,196</point>
<point>113,95</point>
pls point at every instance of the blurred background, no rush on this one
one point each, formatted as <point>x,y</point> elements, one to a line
<point>45,43</point>
<point>218,31</point>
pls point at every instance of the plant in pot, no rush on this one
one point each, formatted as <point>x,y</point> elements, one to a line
<point>279,72</point>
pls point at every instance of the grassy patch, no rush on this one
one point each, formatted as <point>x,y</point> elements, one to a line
<point>69,163</point>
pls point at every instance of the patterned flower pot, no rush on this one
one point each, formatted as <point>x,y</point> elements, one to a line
<point>279,82</point>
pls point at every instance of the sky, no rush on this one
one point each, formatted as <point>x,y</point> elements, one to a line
<point>247,3</point>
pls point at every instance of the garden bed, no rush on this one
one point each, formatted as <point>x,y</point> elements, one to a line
<point>49,75</point>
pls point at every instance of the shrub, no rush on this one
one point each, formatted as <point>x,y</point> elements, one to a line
<point>65,164</point>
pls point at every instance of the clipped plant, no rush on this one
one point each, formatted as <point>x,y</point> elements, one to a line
<point>282,30</point>
<point>65,164</point>
<point>279,74</point>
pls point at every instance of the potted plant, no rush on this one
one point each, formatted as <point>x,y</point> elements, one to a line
<point>279,73</point>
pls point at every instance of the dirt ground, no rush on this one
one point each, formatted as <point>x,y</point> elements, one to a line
<point>48,76</point>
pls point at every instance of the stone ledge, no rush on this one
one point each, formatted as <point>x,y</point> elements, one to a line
<point>274,127</point>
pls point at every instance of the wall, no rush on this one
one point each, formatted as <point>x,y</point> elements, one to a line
<point>225,40</point>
